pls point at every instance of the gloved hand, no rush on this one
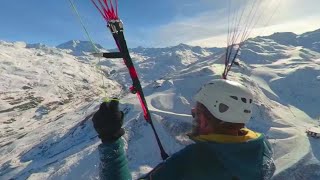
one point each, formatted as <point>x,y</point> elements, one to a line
<point>107,121</point>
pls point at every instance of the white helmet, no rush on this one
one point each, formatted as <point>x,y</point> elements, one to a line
<point>227,100</point>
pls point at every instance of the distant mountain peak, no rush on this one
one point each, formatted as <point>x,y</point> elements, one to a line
<point>285,38</point>
<point>182,46</point>
<point>78,47</point>
<point>310,40</point>
<point>311,33</point>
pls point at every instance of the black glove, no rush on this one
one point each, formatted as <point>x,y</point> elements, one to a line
<point>107,121</point>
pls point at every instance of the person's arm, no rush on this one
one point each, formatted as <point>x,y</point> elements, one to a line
<point>268,166</point>
<point>113,161</point>
<point>114,165</point>
<point>107,121</point>
<point>175,167</point>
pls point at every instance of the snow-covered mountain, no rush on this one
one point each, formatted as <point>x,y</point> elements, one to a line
<point>48,97</point>
<point>165,60</point>
<point>308,40</point>
<point>79,48</point>
<point>44,93</point>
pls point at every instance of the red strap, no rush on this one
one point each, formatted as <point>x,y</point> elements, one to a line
<point>133,72</point>
<point>109,13</point>
<point>106,9</point>
<point>144,108</point>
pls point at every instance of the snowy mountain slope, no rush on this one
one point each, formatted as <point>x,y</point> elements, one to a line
<point>63,145</point>
<point>263,51</point>
<point>285,38</point>
<point>164,60</point>
<point>308,40</point>
<point>293,80</point>
<point>46,96</point>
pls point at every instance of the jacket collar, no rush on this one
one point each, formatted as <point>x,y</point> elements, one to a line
<point>222,138</point>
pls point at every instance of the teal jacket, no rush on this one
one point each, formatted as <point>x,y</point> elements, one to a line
<point>210,157</point>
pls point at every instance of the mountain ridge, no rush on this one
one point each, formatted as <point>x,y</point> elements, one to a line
<point>284,38</point>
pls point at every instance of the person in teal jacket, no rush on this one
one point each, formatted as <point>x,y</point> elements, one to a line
<point>223,148</point>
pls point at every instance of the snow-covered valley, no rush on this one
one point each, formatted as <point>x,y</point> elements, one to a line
<point>48,96</point>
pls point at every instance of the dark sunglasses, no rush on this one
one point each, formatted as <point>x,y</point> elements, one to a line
<point>193,114</point>
<point>198,111</point>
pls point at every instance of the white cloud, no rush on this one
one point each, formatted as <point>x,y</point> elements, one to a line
<point>210,28</point>
<point>297,26</point>
<point>201,26</point>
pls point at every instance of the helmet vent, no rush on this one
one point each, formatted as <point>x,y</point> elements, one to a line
<point>234,97</point>
<point>223,108</point>
<point>244,100</point>
<point>247,111</point>
<point>250,101</point>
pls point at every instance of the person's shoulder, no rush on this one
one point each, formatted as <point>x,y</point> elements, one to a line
<point>199,148</point>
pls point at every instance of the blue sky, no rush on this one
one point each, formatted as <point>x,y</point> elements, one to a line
<point>148,23</point>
